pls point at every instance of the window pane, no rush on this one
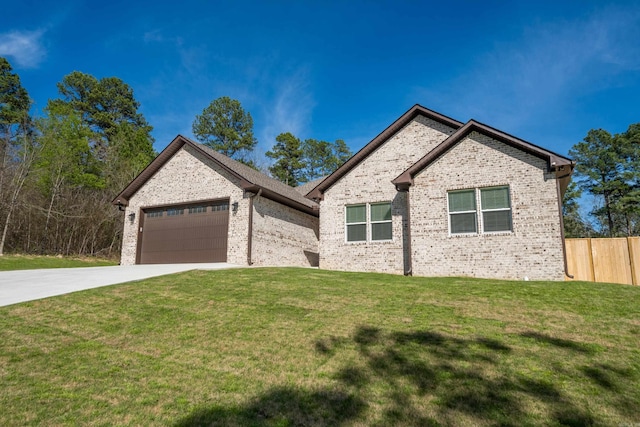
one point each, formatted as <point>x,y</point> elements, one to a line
<point>357,213</point>
<point>495,198</point>
<point>175,211</point>
<point>381,212</point>
<point>197,209</point>
<point>463,223</point>
<point>356,233</point>
<point>218,208</point>
<point>497,220</point>
<point>381,231</point>
<point>462,201</point>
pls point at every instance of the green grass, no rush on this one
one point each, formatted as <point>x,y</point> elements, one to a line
<point>283,347</point>
<point>30,262</point>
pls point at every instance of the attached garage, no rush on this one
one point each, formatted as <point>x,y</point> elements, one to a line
<point>195,205</point>
<point>184,233</point>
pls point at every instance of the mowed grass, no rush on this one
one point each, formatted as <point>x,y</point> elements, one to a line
<point>284,347</point>
<point>30,262</point>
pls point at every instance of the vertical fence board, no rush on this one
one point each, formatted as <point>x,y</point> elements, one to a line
<point>613,260</point>
<point>579,260</point>
<point>634,256</point>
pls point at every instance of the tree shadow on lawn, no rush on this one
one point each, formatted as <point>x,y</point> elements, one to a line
<point>413,378</point>
<point>283,407</point>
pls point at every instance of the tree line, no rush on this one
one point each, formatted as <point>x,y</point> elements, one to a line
<point>59,172</point>
<point>607,171</point>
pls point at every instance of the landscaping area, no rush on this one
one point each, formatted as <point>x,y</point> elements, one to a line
<point>31,262</point>
<point>287,346</point>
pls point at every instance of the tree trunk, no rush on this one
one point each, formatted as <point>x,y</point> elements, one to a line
<point>11,207</point>
<point>609,215</point>
<point>54,194</point>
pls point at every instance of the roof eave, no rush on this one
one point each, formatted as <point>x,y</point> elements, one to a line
<point>279,198</point>
<point>171,149</point>
<point>155,165</point>
<point>553,160</point>
<point>375,143</point>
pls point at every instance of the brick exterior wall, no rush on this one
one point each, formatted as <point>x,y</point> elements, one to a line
<point>533,249</point>
<point>370,182</point>
<point>189,176</point>
<point>283,236</point>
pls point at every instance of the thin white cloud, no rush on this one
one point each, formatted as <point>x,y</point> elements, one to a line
<point>23,47</point>
<point>289,109</point>
<point>526,79</point>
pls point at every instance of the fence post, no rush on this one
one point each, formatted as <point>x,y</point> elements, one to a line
<point>632,260</point>
<point>591,265</point>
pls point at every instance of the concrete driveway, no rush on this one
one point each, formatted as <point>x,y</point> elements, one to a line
<point>27,285</point>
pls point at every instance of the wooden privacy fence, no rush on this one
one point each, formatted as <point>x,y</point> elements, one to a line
<point>615,260</point>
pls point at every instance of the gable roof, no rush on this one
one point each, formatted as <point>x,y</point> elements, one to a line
<point>555,162</point>
<point>375,143</point>
<point>250,179</point>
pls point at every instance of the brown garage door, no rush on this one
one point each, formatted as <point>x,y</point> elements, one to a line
<point>189,233</point>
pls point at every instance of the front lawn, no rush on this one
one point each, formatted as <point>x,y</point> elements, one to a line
<point>30,262</point>
<point>280,347</point>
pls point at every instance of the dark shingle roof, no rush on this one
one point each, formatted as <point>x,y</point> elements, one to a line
<point>250,179</point>
<point>256,177</point>
<point>308,186</point>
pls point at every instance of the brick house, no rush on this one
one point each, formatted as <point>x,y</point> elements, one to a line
<point>429,196</point>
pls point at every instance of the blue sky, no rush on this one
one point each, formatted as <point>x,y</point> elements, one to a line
<point>546,72</point>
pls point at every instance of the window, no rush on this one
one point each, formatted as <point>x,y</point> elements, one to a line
<point>154,214</point>
<point>380,221</point>
<point>369,222</point>
<point>356,223</point>
<point>222,207</point>
<point>175,211</point>
<point>197,209</point>
<point>462,212</point>
<point>495,207</point>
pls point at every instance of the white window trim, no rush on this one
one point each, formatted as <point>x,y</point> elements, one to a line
<point>479,211</point>
<point>389,221</point>
<point>474,211</point>
<point>367,223</point>
<point>482,211</point>
<point>347,224</point>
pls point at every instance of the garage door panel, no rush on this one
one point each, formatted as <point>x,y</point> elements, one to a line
<point>193,236</point>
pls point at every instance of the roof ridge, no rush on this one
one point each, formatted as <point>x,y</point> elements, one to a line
<point>378,141</point>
